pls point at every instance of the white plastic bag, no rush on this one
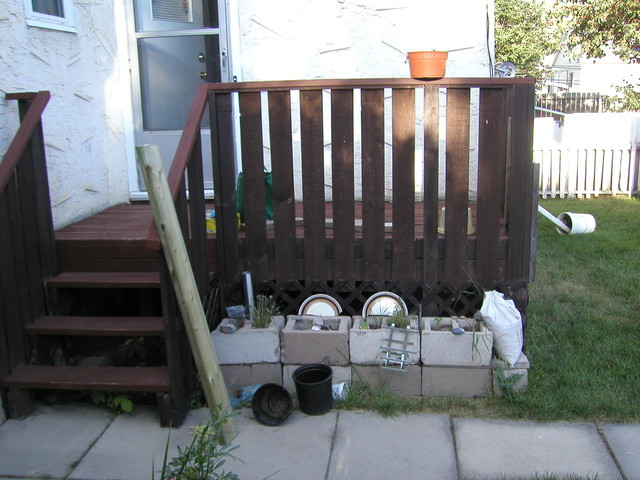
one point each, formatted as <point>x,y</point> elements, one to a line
<point>504,320</point>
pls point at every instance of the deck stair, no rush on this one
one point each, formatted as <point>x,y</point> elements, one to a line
<point>91,315</point>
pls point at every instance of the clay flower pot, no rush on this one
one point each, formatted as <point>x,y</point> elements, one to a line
<point>427,65</point>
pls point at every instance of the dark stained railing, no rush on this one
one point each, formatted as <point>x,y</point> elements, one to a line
<point>27,252</point>
<point>358,240</point>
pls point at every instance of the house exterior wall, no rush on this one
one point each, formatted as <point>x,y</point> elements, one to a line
<point>85,121</point>
<point>306,39</point>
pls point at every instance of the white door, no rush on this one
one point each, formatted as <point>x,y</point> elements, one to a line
<point>179,44</point>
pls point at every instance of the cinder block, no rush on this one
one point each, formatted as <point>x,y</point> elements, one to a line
<point>249,345</point>
<point>516,377</point>
<point>340,374</point>
<point>301,345</point>
<point>364,344</point>
<point>236,377</point>
<point>440,347</point>
<point>456,381</point>
<point>407,382</point>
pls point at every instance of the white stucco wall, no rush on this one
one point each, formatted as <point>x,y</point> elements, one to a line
<point>84,123</point>
<point>305,39</point>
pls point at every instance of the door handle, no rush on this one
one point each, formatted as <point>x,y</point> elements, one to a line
<point>203,75</point>
<point>223,58</point>
<point>201,57</point>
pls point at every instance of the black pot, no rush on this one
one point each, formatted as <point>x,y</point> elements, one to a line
<point>313,386</point>
<point>271,404</point>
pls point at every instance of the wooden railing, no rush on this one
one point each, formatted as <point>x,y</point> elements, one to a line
<point>27,252</point>
<point>330,250</point>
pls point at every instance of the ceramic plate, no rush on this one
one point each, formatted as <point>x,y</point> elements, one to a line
<point>384,303</point>
<point>320,305</point>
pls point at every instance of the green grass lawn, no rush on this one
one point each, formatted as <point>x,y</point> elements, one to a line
<point>583,334</point>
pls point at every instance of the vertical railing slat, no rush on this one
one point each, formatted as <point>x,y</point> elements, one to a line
<point>492,151</point>
<point>197,239</point>
<point>403,171</point>
<point>12,313</point>
<point>457,186</point>
<point>343,185</point>
<point>284,211</point>
<point>372,134</point>
<point>313,185</point>
<point>253,185</point>
<point>431,191</point>
<point>520,184</point>
<point>224,177</point>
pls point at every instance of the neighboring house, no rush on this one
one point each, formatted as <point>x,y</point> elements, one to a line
<point>591,75</point>
<point>123,72</point>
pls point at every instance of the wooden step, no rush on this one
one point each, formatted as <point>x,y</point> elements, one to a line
<point>105,280</point>
<point>99,326</point>
<point>138,379</point>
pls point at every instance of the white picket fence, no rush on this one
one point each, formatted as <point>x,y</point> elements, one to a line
<point>587,172</point>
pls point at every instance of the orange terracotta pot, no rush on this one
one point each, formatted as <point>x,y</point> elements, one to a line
<point>427,65</point>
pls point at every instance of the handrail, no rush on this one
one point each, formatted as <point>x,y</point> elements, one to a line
<point>22,136</point>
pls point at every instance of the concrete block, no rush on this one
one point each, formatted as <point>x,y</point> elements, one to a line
<point>236,377</point>
<point>340,374</point>
<point>440,347</point>
<point>249,345</point>
<point>364,343</point>
<point>406,382</point>
<point>301,345</point>
<point>456,381</point>
<point>516,377</point>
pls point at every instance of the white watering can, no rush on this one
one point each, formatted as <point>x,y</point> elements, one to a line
<point>569,223</point>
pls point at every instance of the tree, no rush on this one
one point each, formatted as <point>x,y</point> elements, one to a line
<point>525,35</point>
<point>594,27</point>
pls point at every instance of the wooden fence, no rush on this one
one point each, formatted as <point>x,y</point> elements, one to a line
<point>587,172</point>
<point>428,268</point>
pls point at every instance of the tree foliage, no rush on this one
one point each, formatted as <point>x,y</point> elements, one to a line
<point>525,35</point>
<point>594,27</point>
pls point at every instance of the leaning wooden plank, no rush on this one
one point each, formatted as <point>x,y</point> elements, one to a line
<point>184,283</point>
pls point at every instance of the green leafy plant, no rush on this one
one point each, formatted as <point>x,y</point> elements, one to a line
<point>265,308</point>
<point>399,319</point>
<point>203,458</point>
<point>508,383</point>
<point>117,403</point>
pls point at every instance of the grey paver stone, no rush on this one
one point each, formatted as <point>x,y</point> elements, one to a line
<point>502,449</point>
<point>51,440</point>
<point>412,447</point>
<point>624,440</point>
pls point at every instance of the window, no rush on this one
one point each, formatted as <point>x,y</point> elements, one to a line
<point>52,14</point>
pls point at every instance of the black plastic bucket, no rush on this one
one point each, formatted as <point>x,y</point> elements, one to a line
<point>313,386</point>
<point>271,404</point>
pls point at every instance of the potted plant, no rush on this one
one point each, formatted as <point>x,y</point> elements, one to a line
<point>456,341</point>
<point>257,340</point>
<point>369,335</point>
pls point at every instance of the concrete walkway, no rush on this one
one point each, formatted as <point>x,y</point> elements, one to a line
<point>83,442</point>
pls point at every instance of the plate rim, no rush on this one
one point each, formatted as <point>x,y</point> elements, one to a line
<point>396,297</point>
<point>320,296</point>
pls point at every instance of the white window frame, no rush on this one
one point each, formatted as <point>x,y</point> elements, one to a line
<point>52,22</point>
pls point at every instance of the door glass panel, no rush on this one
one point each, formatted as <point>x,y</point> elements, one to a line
<point>171,69</point>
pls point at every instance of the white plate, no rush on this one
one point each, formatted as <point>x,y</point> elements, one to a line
<point>384,303</point>
<point>320,305</point>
